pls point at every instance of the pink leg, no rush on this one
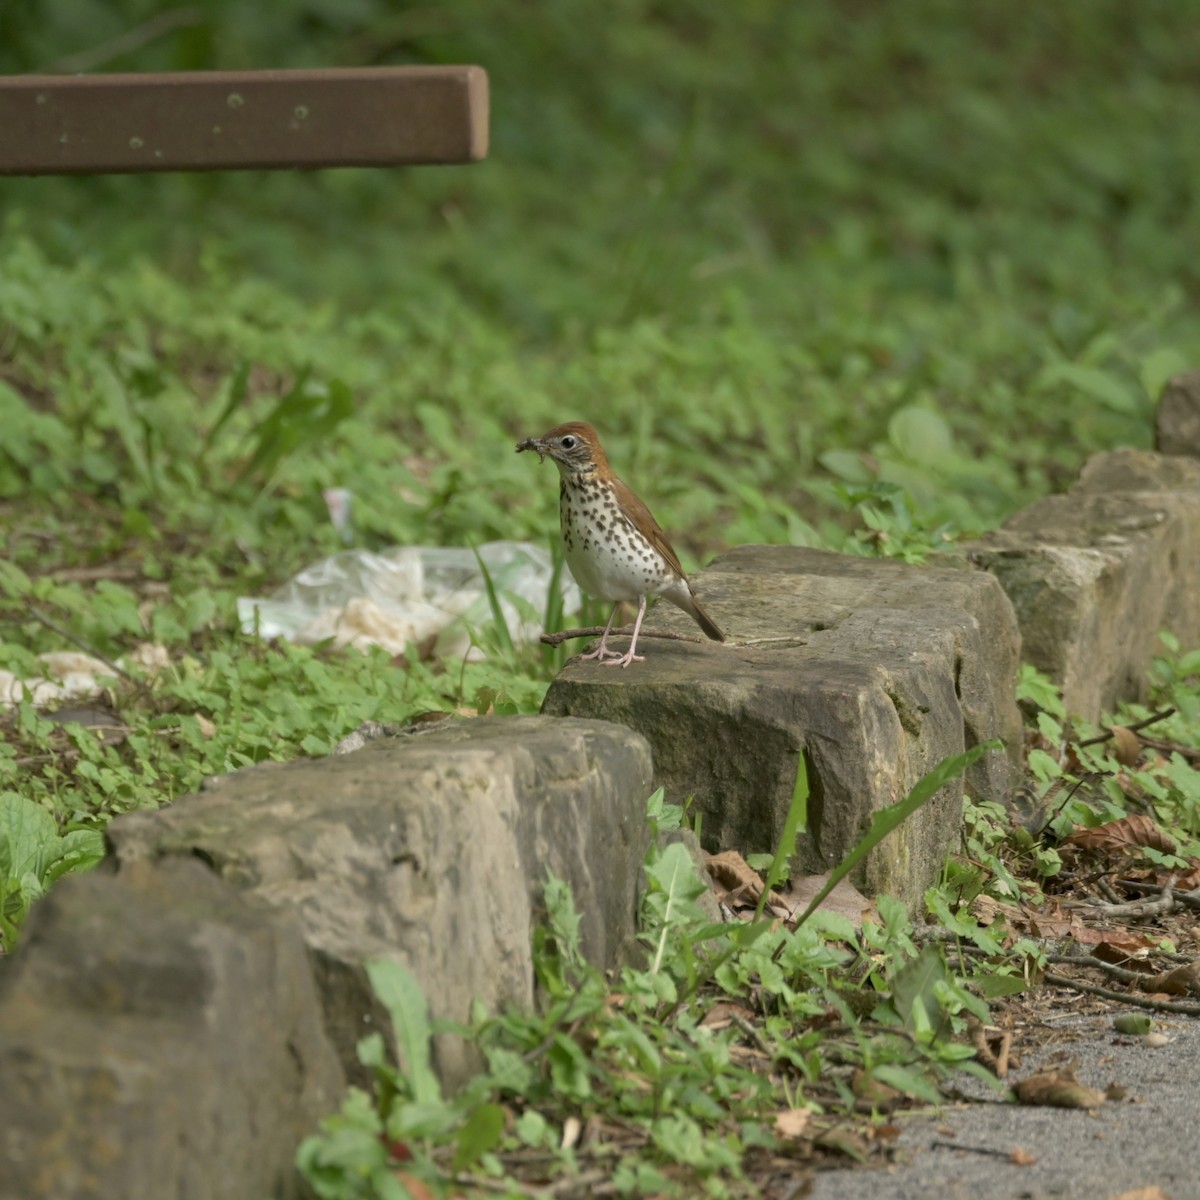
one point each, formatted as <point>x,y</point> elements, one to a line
<point>623,660</point>
<point>602,651</point>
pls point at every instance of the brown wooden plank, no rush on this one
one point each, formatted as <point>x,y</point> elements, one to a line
<point>226,120</point>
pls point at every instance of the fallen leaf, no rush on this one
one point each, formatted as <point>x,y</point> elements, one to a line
<point>792,1122</point>
<point>1022,1158</point>
<point>1126,836</point>
<point>987,909</point>
<point>723,1013</point>
<point>1190,881</point>
<point>1179,981</point>
<point>415,1187</point>
<point>1057,1089</point>
<point>845,899</point>
<point>741,881</point>
<point>1127,746</point>
<point>572,1128</point>
<point>844,1140</point>
<point>1146,1193</point>
<point>1127,949</point>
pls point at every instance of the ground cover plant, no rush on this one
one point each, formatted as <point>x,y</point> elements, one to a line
<point>864,276</point>
<point>738,1055</point>
<point>863,279</point>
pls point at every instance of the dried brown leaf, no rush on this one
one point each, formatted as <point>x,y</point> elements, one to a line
<point>724,1013</point>
<point>792,1122</point>
<point>1126,836</point>
<point>740,880</point>
<point>987,910</point>
<point>1127,746</point>
<point>1190,881</point>
<point>845,899</point>
<point>843,1139</point>
<point>1179,981</point>
<point>1121,946</point>
<point>1022,1158</point>
<point>416,1188</point>
<point>1057,1089</point>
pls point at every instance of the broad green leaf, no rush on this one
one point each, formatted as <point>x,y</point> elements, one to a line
<point>847,465</point>
<point>992,987</point>
<point>921,435</point>
<point>1159,365</point>
<point>480,1133</point>
<point>1100,385</point>
<point>30,833</point>
<point>914,992</point>
<point>906,1080</point>
<point>674,874</point>
<point>400,993</point>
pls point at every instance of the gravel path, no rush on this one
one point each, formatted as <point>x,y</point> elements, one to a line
<point>1150,1139</point>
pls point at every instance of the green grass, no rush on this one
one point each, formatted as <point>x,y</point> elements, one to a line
<point>857,277</point>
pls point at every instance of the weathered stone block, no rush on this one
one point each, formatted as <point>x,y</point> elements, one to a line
<point>873,670</point>
<point>160,1035</point>
<point>1095,574</point>
<point>1177,422</point>
<point>431,848</point>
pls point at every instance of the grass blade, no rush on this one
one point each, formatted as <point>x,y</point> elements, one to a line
<point>797,819</point>
<point>894,815</point>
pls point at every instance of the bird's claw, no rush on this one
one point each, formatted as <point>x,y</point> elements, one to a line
<point>623,660</point>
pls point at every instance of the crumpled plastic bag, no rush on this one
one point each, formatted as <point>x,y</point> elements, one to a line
<point>408,595</point>
<point>71,675</point>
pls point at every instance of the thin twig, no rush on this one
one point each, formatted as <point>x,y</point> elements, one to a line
<point>91,574</point>
<point>1191,753</point>
<point>127,42</point>
<point>1123,974</point>
<point>556,639</point>
<point>749,1030</point>
<point>939,1144</point>
<point>1188,899</point>
<point>53,625</point>
<point>1175,1006</point>
<point>1150,720</point>
<point>1136,908</point>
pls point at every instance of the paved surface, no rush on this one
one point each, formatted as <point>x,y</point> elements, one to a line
<point>1150,1139</point>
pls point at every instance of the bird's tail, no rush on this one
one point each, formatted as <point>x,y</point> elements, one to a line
<point>682,597</point>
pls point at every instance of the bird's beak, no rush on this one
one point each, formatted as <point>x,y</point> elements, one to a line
<point>534,444</point>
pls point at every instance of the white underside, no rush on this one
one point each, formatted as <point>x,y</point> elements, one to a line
<point>619,565</point>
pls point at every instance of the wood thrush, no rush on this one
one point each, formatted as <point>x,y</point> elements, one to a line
<point>614,546</point>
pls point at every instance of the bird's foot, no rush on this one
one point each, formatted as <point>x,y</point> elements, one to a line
<point>623,660</point>
<point>601,652</point>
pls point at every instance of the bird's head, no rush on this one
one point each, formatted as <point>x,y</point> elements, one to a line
<point>574,447</point>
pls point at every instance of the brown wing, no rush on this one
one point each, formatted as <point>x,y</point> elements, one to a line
<point>643,520</point>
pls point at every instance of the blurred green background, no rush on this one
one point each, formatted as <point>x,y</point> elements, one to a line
<point>761,246</point>
<point>864,274</point>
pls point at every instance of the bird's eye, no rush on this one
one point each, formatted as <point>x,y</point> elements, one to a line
<point>568,443</point>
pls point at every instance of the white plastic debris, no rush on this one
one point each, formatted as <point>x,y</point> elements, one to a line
<point>409,594</point>
<point>70,675</point>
